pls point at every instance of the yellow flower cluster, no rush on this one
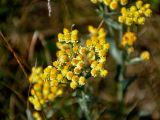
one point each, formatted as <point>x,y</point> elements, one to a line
<point>113,4</point>
<point>128,39</point>
<point>145,55</point>
<point>135,14</point>
<point>70,59</point>
<point>75,62</point>
<point>97,48</point>
<point>43,90</point>
<point>73,58</point>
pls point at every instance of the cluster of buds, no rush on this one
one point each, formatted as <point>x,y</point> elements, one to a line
<point>97,48</point>
<point>136,14</point>
<point>128,39</point>
<point>75,61</point>
<point>70,59</point>
<point>113,4</point>
<point>43,91</point>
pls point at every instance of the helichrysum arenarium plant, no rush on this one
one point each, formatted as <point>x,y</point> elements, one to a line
<point>77,61</point>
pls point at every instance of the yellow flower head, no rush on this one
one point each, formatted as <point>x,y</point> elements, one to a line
<point>75,48</point>
<point>128,39</point>
<point>59,77</point>
<point>82,80</point>
<point>113,5</point>
<point>73,85</point>
<point>37,116</point>
<point>77,70</point>
<point>80,65</point>
<point>75,78</point>
<point>94,72</point>
<point>123,2</point>
<point>145,55</point>
<point>92,30</point>
<point>69,75</point>
<point>130,49</point>
<point>74,36</point>
<point>103,73</point>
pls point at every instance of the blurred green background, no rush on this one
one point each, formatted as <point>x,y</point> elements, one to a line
<point>32,35</point>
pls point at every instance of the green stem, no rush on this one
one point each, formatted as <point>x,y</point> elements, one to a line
<point>120,33</point>
<point>122,67</point>
<point>120,86</point>
<point>120,92</point>
<point>82,100</point>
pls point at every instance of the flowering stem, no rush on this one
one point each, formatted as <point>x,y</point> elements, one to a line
<point>120,85</point>
<point>121,72</point>
<point>82,100</point>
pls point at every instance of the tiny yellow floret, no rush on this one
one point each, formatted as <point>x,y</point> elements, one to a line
<point>145,55</point>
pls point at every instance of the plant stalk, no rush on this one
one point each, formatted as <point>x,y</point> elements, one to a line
<point>82,100</point>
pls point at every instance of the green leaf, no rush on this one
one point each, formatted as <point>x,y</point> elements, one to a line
<point>116,54</point>
<point>127,83</point>
<point>112,23</point>
<point>134,61</point>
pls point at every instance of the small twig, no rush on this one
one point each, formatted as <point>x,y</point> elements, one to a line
<point>72,27</point>
<point>49,8</point>
<point>32,46</point>
<point>100,25</point>
<point>38,36</point>
<point>14,91</point>
<point>8,46</point>
<point>14,54</point>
